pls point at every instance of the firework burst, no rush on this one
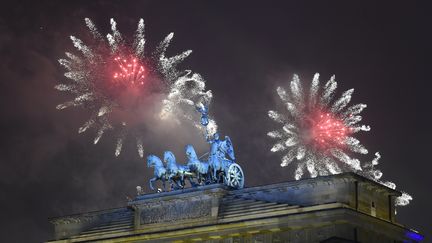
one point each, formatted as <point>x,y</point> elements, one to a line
<point>318,133</point>
<point>118,82</point>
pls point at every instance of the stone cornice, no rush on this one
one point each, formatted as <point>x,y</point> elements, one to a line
<point>348,177</point>
<point>73,219</point>
<point>198,193</point>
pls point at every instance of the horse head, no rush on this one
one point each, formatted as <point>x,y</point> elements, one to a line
<point>169,158</point>
<point>153,160</point>
<point>190,153</point>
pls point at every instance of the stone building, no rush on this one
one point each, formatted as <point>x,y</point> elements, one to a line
<point>337,208</point>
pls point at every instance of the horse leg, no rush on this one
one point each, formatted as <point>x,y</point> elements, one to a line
<point>175,184</point>
<point>205,178</point>
<point>193,181</point>
<point>217,173</point>
<point>193,184</point>
<point>182,181</point>
<point>151,183</point>
<point>214,177</point>
<point>163,184</point>
<point>209,178</point>
<point>171,183</point>
<point>199,179</point>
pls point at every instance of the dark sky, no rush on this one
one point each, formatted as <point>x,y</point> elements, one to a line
<point>244,50</point>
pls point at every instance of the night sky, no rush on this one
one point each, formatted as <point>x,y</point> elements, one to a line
<point>244,50</point>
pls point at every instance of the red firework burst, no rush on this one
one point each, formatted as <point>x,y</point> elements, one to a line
<point>329,131</point>
<point>130,71</point>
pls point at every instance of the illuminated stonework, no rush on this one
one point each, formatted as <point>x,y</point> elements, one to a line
<point>337,208</point>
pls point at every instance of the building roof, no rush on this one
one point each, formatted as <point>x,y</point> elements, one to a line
<point>216,208</point>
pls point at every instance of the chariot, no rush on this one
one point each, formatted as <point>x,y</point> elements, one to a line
<point>219,167</point>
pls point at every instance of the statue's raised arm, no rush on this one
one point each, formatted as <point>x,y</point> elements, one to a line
<point>203,109</point>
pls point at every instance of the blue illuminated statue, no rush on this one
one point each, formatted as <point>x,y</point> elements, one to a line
<point>220,166</point>
<point>176,174</point>
<point>160,173</point>
<point>199,168</point>
<point>221,155</point>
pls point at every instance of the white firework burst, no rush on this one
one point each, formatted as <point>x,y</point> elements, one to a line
<point>317,131</point>
<point>116,80</point>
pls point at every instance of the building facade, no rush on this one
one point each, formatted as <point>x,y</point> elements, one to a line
<point>337,208</point>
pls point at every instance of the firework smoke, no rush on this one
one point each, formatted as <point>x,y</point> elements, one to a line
<point>119,83</point>
<point>318,132</point>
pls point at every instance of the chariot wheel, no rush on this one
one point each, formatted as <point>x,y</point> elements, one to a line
<point>234,176</point>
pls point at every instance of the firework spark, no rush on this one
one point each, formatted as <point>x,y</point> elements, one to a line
<point>318,132</point>
<point>117,80</point>
<point>369,171</point>
<point>130,71</point>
